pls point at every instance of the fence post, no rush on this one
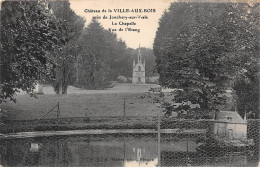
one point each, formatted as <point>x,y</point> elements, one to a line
<point>187,145</point>
<point>124,110</point>
<point>58,111</point>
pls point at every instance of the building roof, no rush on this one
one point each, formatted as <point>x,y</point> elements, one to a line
<point>229,116</point>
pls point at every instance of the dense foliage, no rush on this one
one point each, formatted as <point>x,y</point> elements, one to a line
<point>28,33</point>
<point>201,48</point>
<point>246,84</point>
<point>67,54</point>
<point>100,57</point>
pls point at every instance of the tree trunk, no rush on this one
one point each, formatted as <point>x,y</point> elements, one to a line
<point>205,100</point>
<point>64,84</point>
<point>56,83</point>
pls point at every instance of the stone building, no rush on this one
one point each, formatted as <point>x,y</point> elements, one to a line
<point>38,89</point>
<point>230,125</point>
<point>139,69</point>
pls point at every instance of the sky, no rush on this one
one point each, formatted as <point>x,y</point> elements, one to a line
<point>147,26</point>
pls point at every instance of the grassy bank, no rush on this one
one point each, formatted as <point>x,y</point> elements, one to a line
<point>79,123</point>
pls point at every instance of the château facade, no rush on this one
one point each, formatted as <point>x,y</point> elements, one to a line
<point>139,69</point>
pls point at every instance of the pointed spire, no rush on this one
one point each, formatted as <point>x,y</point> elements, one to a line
<point>139,49</point>
<point>139,54</point>
<point>245,116</point>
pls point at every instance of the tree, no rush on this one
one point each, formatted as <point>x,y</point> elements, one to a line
<point>102,59</point>
<point>246,84</point>
<point>66,57</point>
<point>200,47</point>
<point>92,56</point>
<point>28,33</point>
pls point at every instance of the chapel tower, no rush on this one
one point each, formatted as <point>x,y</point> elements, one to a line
<point>139,69</point>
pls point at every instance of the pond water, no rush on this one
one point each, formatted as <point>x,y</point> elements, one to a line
<point>118,151</point>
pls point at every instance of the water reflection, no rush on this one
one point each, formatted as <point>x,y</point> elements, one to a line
<point>116,151</point>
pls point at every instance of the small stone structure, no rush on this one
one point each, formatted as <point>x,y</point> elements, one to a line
<point>34,147</point>
<point>38,89</point>
<point>230,125</point>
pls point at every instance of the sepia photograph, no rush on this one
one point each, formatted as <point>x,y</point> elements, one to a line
<point>129,83</point>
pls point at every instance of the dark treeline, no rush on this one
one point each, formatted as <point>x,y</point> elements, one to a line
<point>102,57</point>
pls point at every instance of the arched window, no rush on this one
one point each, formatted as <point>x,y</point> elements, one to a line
<point>139,68</point>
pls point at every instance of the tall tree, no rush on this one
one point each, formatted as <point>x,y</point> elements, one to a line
<point>246,84</point>
<point>102,59</point>
<point>66,58</point>
<point>28,33</point>
<point>92,56</point>
<point>200,47</point>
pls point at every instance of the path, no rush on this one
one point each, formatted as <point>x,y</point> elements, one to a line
<point>99,131</point>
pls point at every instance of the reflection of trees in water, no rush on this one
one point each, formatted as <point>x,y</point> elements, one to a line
<point>51,153</point>
<point>62,151</point>
<point>13,152</point>
<point>55,153</point>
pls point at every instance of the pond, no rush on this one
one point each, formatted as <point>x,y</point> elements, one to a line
<point>120,150</point>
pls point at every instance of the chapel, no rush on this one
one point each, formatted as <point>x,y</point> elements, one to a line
<point>139,69</point>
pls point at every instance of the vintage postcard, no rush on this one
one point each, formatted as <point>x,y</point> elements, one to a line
<point>129,83</point>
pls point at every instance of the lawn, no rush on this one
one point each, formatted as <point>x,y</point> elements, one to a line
<point>85,103</point>
<point>85,109</point>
